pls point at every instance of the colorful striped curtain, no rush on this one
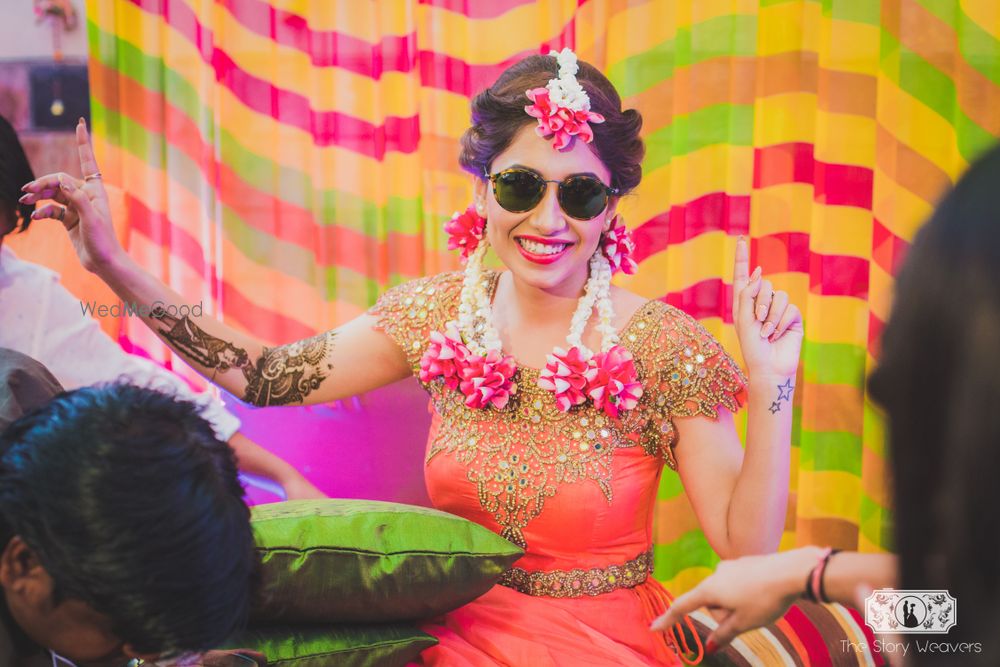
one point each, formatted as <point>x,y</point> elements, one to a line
<point>284,161</point>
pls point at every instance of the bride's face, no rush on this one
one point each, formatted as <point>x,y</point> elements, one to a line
<point>544,247</point>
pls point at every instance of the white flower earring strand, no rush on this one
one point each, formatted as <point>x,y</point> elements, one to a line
<point>468,355</point>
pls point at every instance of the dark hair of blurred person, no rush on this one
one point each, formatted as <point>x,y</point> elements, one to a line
<point>15,171</point>
<point>938,379</point>
<point>123,529</point>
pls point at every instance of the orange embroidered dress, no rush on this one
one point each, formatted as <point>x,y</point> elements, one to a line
<point>575,489</point>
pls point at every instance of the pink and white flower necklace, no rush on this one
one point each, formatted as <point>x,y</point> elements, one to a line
<point>576,374</point>
<point>467,356</point>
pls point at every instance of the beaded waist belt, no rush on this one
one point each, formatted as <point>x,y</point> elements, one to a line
<point>578,582</point>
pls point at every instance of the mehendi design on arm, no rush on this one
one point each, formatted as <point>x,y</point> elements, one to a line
<point>282,375</point>
<point>197,345</point>
<point>784,394</point>
<point>287,374</point>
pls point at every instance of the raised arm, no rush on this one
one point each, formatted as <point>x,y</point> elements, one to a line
<point>349,360</point>
<point>740,494</point>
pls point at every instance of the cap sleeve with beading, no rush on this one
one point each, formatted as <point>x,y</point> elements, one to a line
<point>687,372</point>
<point>408,313</point>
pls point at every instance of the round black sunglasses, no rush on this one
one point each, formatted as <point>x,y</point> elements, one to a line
<point>582,197</point>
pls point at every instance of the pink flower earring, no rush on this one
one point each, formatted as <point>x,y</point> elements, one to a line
<point>465,231</point>
<point>618,246</point>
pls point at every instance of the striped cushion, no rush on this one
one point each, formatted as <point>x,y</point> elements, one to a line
<point>808,635</point>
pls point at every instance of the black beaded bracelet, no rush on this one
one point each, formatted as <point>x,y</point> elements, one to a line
<point>822,575</point>
<point>812,589</point>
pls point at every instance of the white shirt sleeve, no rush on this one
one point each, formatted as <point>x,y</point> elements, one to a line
<point>78,352</point>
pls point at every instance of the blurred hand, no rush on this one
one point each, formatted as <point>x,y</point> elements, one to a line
<point>745,593</point>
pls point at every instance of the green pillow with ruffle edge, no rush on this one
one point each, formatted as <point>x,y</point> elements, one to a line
<point>361,561</point>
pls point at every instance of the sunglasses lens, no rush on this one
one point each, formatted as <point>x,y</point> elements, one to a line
<point>582,197</point>
<point>518,190</point>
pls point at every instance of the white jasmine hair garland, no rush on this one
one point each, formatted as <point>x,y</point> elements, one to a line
<point>565,90</point>
<point>562,106</point>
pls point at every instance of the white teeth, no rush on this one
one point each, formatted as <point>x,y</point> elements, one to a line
<point>541,248</point>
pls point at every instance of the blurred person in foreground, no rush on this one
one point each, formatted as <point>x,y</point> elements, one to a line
<point>123,530</point>
<point>938,380</point>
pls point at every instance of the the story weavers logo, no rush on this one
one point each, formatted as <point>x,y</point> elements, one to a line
<point>904,611</point>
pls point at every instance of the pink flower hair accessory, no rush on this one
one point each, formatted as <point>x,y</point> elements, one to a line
<point>488,380</point>
<point>562,107</point>
<point>465,231</point>
<point>565,375</point>
<point>612,381</point>
<point>560,123</point>
<point>618,246</point>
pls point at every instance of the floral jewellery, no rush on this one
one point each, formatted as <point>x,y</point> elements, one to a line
<point>465,231</point>
<point>618,246</point>
<point>562,106</point>
<point>467,355</point>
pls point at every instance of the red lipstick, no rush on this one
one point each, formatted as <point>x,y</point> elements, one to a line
<point>542,259</point>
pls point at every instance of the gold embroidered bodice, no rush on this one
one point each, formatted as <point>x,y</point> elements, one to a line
<point>521,459</point>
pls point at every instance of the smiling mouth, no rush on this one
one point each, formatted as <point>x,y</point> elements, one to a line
<point>536,248</point>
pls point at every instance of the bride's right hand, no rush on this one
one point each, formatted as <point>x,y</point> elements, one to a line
<point>82,207</point>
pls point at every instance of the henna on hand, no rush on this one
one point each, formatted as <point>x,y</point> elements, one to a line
<point>283,375</point>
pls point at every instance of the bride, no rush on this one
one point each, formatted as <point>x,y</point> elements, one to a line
<point>557,397</point>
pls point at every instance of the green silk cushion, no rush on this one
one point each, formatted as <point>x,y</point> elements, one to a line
<point>344,646</point>
<point>360,561</point>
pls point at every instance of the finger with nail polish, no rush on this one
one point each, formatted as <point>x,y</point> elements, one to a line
<point>779,303</point>
<point>762,304</point>
<point>790,317</point>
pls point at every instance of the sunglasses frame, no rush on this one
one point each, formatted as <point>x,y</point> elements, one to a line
<point>608,190</point>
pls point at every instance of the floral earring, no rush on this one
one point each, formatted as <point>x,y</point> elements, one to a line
<point>467,354</point>
<point>465,230</point>
<point>617,245</point>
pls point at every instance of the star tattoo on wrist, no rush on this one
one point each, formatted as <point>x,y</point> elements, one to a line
<point>785,391</point>
<point>784,394</point>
